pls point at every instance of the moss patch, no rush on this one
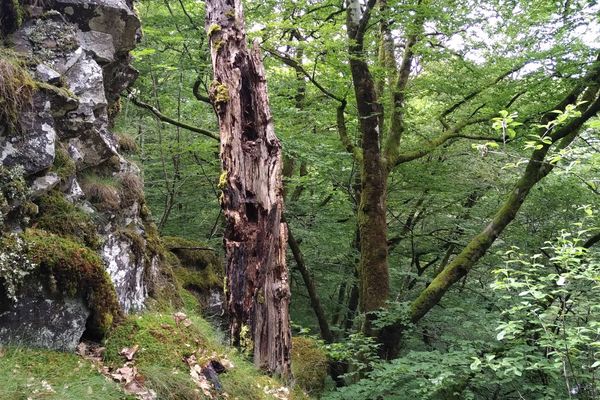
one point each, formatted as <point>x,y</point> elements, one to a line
<point>63,165</point>
<point>58,215</point>
<point>196,269</point>
<point>164,287</point>
<point>309,364</point>
<point>200,281</point>
<point>70,269</point>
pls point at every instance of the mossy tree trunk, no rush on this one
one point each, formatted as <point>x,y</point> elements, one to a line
<point>372,225</point>
<point>255,237</point>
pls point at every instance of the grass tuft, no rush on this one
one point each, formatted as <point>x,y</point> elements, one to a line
<point>102,191</point>
<point>16,89</point>
<point>132,189</point>
<point>127,143</point>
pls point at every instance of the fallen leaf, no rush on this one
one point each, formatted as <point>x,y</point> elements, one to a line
<point>125,374</point>
<point>90,351</point>
<point>227,363</point>
<point>201,381</point>
<point>140,391</point>
<point>129,352</point>
<point>281,393</point>
<point>179,317</point>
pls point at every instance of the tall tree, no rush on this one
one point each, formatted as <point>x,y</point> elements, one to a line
<point>255,237</point>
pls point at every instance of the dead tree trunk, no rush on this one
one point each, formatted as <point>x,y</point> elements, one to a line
<point>255,238</point>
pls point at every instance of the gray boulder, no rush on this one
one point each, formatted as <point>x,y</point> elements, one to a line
<point>43,321</point>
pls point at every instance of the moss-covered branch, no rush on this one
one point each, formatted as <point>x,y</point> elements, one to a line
<point>535,171</point>
<point>394,158</point>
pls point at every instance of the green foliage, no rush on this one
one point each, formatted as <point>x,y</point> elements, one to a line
<point>550,319</point>
<point>506,124</point>
<point>358,350</point>
<point>417,375</point>
<point>68,268</point>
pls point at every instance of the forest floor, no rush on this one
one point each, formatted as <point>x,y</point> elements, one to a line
<point>154,355</point>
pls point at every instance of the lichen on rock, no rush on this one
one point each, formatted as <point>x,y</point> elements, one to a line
<point>96,249</point>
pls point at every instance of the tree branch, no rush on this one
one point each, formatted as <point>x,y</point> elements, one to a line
<point>471,95</point>
<point>199,96</point>
<point>164,118</point>
<point>299,68</point>
<point>425,149</point>
<point>343,132</point>
<point>592,241</point>
<point>397,117</point>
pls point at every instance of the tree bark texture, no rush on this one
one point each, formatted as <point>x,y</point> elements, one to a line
<point>255,238</point>
<point>372,224</point>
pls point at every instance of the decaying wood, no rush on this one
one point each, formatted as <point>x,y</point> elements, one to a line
<point>255,238</point>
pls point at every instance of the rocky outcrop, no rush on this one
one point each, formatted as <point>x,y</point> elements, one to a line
<point>77,54</point>
<point>49,323</point>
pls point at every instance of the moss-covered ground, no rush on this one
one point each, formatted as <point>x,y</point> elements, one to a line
<point>163,345</point>
<point>39,374</point>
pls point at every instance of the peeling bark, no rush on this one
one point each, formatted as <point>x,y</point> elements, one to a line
<point>255,238</point>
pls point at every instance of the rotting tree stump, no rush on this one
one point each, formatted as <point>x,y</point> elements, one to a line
<point>255,238</point>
